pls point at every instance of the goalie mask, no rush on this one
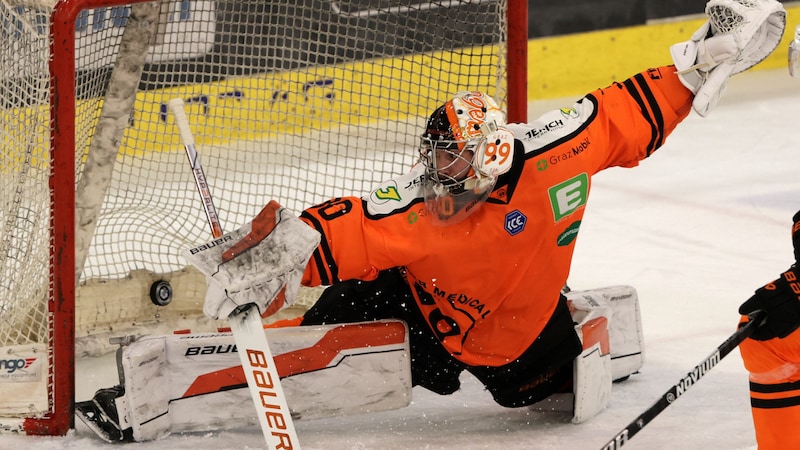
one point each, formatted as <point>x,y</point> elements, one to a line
<point>464,149</point>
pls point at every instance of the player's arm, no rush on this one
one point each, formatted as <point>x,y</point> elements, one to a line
<point>356,244</point>
<point>635,116</point>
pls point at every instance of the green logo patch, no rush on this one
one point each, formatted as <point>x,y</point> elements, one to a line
<point>566,197</point>
<point>569,235</point>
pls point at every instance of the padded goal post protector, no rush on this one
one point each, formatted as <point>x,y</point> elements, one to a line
<point>195,382</point>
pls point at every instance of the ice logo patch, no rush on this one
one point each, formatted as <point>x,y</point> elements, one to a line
<point>515,222</point>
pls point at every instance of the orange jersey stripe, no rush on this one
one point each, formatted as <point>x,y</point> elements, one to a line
<point>774,367</point>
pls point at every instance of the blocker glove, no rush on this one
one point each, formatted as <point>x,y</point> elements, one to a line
<point>260,263</point>
<point>780,299</point>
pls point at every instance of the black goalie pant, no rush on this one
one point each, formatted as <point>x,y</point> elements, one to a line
<point>544,368</point>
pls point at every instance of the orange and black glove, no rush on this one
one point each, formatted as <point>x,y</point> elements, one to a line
<point>779,299</point>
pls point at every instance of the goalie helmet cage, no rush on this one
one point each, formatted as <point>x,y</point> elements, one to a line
<point>293,100</point>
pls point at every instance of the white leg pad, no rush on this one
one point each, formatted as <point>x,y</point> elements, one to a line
<point>195,382</point>
<point>591,390</point>
<point>592,383</point>
<point>625,325</point>
<point>592,375</point>
<point>146,376</point>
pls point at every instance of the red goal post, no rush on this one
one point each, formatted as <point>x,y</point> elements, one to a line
<point>287,101</point>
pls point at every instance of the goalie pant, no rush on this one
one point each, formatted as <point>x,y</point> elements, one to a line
<point>194,382</point>
<point>774,367</point>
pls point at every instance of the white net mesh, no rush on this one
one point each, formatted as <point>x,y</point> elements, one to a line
<point>24,170</point>
<point>293,100</point>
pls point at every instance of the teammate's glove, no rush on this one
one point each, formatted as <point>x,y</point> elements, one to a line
<point>260,262</point>
<point>780,299</point>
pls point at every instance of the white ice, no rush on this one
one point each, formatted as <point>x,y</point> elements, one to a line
<point>695,229</point>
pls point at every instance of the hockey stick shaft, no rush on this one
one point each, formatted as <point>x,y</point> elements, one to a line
<point>254,353</point>
<point>182,122</point>
<point>686,382</point>
<point>16,201</point>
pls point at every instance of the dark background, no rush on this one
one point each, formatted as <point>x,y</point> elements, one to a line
<point>558,17</point>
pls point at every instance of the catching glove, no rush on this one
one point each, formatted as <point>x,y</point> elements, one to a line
<point>261,263</point>
<point>738,35</point>
<point>780,299</point>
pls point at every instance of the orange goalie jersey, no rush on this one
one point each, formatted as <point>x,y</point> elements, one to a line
<point>488,284</point>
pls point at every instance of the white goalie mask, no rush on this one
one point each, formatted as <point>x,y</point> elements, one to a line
<point>464,149</point>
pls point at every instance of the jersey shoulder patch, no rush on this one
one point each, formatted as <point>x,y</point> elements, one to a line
<point>555,125</point>
<point>396,194</point>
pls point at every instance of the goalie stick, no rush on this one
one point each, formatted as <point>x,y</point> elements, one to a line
<point>689,380</point>
<point>245,322</point>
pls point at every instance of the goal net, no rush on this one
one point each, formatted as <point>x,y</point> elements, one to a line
<point>293,100</point>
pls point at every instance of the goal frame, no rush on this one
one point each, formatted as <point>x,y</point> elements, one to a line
<point>61,306</point>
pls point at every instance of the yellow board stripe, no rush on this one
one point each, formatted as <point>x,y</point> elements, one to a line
<point>292,102</point>
<point>575,64</point>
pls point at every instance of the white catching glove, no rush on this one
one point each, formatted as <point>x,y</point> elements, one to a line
<point>256,263</point>
<point>738,35</point>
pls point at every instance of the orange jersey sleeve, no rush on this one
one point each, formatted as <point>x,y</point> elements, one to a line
<point>489,284</point>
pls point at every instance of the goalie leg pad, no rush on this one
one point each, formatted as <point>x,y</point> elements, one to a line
<point>592,383</point>
<point>146,376</point>
<point>626,338</point>
<point>592,374</point>
<point>137,409</point>
<point>195,382</point>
